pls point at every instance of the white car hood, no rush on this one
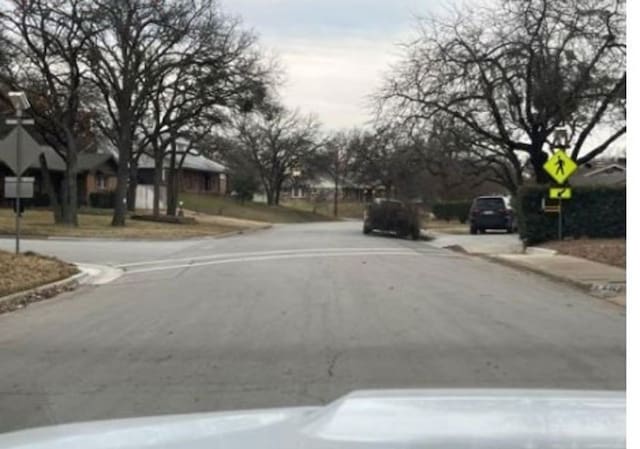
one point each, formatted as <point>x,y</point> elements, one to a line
<point>434,419</point>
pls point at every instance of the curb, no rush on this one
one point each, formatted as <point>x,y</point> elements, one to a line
<point>533,250</point>
<point>242,232</point>
<point>585,287</point>
<point>125,239</point>
<point>72,282</point>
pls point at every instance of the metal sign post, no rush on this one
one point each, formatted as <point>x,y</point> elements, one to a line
<point>559,218</point>
<point>19,176</point>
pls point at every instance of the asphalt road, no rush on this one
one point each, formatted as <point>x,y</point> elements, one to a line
<point>295,315</point>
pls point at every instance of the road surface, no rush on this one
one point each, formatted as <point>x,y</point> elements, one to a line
<point>295,315</point>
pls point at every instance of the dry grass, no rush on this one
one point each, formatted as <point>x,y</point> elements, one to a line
<point>40,223</point>
<point>346,209</point>
<point>25,271</point>
<point>607,251</point>
<point>448,227</point>
<point>227,207</point>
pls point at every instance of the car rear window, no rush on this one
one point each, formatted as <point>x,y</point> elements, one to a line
<point>490,203</point>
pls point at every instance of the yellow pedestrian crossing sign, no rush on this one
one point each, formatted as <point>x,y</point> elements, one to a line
<point>560,166</point>
<point>560,193</point>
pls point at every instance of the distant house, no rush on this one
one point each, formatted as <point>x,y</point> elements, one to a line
<point>306,189</point>
<point>610,172</point>
<point>198,174</point>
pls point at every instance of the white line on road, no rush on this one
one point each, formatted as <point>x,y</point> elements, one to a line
<point>275,257</point>
<point>257,253</point>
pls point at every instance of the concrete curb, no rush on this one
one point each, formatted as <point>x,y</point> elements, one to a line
<point>124,239</point>
<point>72,281</point>
<point>584,286</point>
<point>99,274</point>
<point>533,250</point>
<point>242,232</point>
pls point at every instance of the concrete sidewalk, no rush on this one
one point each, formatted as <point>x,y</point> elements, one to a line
<point>604,281</point>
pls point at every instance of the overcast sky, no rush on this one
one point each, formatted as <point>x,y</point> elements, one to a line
<point>334,52</point>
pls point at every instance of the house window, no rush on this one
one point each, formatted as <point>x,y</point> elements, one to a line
<point>101,182</point>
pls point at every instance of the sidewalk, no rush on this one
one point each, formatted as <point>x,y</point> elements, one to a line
<point>604,281</point>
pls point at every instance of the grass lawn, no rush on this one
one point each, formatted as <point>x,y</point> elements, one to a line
<point>448,227</point>
<point>346,209</point>
<point>216,205</point>
<point>28,270</point>
<point>607,251</point>
<point>39,222</point>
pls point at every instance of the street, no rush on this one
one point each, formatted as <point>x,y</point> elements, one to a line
<point>294,315</point>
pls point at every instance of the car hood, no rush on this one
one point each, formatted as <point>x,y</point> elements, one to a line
<point>434,419</point>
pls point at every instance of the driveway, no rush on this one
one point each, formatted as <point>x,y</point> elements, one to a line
<point>295,315</point>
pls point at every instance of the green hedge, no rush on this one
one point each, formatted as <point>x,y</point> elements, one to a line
<point>596,211</point>
<point>452,210</point>
<point>102,200</point>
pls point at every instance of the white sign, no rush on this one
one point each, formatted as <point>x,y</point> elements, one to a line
<point>11,187</point>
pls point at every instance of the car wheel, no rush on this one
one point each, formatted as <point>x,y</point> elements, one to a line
<point>473,230</point>
<point>415,234</point>
<point>366,229</point>
<point>482,230</point>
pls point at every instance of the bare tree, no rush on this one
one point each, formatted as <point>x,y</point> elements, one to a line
<point>276,141</point>
<point>336,159</point>
<point>513,73</point>
<point>46,42</point>
<point>220,73</point>
<point>132,46</point>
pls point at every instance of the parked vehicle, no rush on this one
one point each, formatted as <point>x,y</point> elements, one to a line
<point>390,215</point>
<point>492,212</point>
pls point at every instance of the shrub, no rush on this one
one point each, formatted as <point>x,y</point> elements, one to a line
<point>244,186</point>
<point>165,219</point>
<point>40,200</point>
<point>597,211</point>
<point>102,200</point>
<point>449,210</point>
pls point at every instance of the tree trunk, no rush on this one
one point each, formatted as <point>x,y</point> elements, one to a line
<point>157,180</point>
<point>538,158</point>
<point>51,191</point>
<point>133,186</point>
<point>70,197</point>
<point>125,145</point>
<point>270,197</point>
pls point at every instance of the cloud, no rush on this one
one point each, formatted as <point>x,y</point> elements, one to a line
<point>334,79</point>
<point>334,52</point>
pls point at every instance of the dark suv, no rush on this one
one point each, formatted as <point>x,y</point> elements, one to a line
<point>394,216</point>
<point>492,212</point>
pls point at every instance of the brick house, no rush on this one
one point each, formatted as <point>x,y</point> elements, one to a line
<point>96,171</point>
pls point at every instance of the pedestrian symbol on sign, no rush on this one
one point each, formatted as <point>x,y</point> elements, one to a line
<point>560,167</point>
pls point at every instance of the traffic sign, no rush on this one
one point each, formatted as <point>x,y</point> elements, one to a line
<point>560,166</point>
<point>11,187</point>
<point>560,193</point>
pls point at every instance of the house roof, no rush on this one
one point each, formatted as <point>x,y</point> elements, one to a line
<point>600,173</point>
<point>191,162</point>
